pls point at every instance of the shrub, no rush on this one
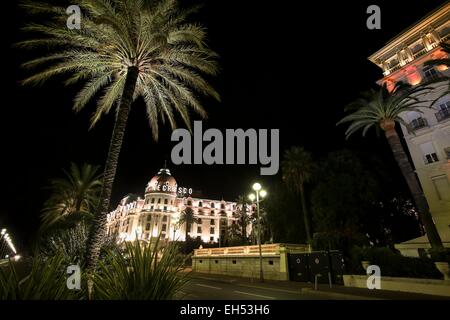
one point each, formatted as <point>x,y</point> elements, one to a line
<point>141,272</point>
<point>46,280</point>
<point>72,244</point>
<point>392,264</point>
<point>440,255</point>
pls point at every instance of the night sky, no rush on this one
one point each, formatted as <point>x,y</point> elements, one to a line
<point>284,65</point>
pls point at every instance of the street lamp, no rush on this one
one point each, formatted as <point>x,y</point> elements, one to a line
<point>259,194</point>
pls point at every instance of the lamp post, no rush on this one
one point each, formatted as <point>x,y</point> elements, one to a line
<point>259,194</point>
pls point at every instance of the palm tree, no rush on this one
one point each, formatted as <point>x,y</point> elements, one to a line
<point>382,109</point>
<point>242,215</point>
<point>73,197</point>
<point>297,168</point>
<point>125,49</point>
<point>187,218</point>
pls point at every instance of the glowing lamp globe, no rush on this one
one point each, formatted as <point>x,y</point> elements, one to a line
<point>257,186</point>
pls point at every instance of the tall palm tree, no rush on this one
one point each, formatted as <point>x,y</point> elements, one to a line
<point>187,218</point>
<point>125,49</point>
<point>382,109</point>
<point>297,168</point>
<point>242,215</point>
<point>75,194</point>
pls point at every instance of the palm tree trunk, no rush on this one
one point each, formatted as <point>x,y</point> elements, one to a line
<point>305,215</point>
<point>96,234</point>
<point>412,182</point>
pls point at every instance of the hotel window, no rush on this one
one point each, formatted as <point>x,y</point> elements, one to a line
<point>222,206</point>
<point>189,203</point>
<point>152,207</point>
<point>164,219</point>
<point>430,73</point>
<point>165,208</point>
<point>166,201</point>
<point>416,121</point>
<point>200,204</point>
<point>199,229</point>
<point>147,227</point>
<point>159,200</point>
<point>212,205</point>
<point>211,231</point>
<point>212,212</point>
<point>447,152</point>
<point>153,200</point>
<point>212,222</point>
<point>199,221</point>
<point>429,153</point>
<point>211,239</point>
<point>443,111</point>
<point>164,227</point>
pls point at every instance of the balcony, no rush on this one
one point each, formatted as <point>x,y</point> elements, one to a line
<point>430,158</point>
<point>418,123</point>
<point>443,114</point>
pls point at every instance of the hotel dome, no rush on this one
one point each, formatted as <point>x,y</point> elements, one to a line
<point>163,182</point>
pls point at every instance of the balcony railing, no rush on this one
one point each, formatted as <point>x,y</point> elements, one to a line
<point>418,123</point>
<point>443,114</point>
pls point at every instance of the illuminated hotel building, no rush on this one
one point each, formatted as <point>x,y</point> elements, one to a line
<point>161,208</point>
<point>428,137</point>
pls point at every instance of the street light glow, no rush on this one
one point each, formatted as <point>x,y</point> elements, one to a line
<point>257,186</point>
<point>252,197</point>
<point>263,193</point>
<point>3,231</point>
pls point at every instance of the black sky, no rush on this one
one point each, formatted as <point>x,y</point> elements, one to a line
<point>284,64</point>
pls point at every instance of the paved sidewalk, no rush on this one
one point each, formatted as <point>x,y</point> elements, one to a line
<point>336,292</point>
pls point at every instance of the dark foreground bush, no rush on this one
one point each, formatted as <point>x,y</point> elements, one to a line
<point>140,272</point>
<point>392,264</point>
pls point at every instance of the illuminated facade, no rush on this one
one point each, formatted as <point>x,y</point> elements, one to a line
<point>428,137</point>
<point>161,208</point>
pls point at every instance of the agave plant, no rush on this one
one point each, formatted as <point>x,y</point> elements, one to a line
<point>46,280</point>
<point>140,272</point>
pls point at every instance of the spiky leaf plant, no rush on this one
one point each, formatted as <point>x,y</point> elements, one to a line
<point>140,272</point>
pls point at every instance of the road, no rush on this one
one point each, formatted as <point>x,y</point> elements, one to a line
<point>209,287</point>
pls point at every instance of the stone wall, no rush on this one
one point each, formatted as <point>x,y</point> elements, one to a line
<point>425,286</point>
<point>241,266</point>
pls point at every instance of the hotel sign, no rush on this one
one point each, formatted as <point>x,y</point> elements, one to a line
<point>165,187</point>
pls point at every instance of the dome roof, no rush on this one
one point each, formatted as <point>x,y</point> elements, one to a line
<point>162,182</point>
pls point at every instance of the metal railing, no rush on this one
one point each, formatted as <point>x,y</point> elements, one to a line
<point>418,123</point>
<point>443,114</point>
